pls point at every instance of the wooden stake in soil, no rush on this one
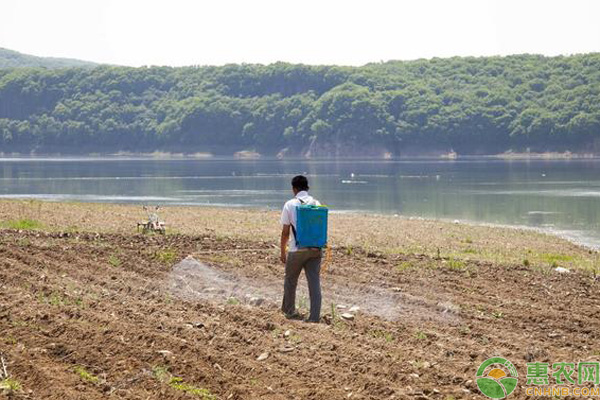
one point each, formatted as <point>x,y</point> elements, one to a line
<point>4,374</point>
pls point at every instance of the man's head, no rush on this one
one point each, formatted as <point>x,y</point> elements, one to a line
<point>299,183</point>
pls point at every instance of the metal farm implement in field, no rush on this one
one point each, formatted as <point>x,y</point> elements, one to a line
<point>153,224</point>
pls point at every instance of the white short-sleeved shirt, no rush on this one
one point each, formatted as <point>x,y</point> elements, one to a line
<point>288,215</point>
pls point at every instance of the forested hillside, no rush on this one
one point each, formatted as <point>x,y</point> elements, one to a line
<point>14,59</point>
<point>471,105</point>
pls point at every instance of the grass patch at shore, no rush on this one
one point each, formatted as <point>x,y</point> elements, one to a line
<point>178,384</point>
<point>114,261</point>
<point>166,256</point>
<point>23,224</point>
<point>10,385</point>
<point>85,375</point>
<point>161,373</point>
<point>556,258</point>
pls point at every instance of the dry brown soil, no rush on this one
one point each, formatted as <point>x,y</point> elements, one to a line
<point>86,315</point>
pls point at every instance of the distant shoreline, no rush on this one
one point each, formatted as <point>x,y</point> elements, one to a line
<point>252,155</point>
<point>544,156</point>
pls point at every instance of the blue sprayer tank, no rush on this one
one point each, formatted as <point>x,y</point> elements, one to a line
<point>311,226</point>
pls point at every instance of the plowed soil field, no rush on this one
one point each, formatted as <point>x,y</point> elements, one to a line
<point>87,315</point>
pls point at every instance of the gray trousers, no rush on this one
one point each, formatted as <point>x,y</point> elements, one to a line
<point>310,261</point>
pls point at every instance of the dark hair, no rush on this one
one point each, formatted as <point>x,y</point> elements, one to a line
<point>300,182</point>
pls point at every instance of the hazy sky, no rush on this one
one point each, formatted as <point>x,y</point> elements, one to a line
<point>186,32</point>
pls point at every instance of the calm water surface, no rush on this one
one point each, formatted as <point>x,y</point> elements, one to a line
<point>559,196</point>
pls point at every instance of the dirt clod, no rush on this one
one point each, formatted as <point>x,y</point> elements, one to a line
<point>262,356</point>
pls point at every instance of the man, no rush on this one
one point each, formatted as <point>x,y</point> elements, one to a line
<point>297,259</point>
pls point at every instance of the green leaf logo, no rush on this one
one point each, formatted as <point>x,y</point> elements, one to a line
<point>497,377</point>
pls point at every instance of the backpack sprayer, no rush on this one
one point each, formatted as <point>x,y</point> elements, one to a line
<point>311,229</point>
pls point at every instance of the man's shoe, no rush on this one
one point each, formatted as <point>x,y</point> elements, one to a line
<point>294,315</point>
<point>312,321</point>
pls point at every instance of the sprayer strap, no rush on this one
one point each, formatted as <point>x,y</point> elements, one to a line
<point>292,225</point>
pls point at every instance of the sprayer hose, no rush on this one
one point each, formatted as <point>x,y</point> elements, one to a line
<point>327,259</point>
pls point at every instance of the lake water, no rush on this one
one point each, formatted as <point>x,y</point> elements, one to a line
<point>559,196</point>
